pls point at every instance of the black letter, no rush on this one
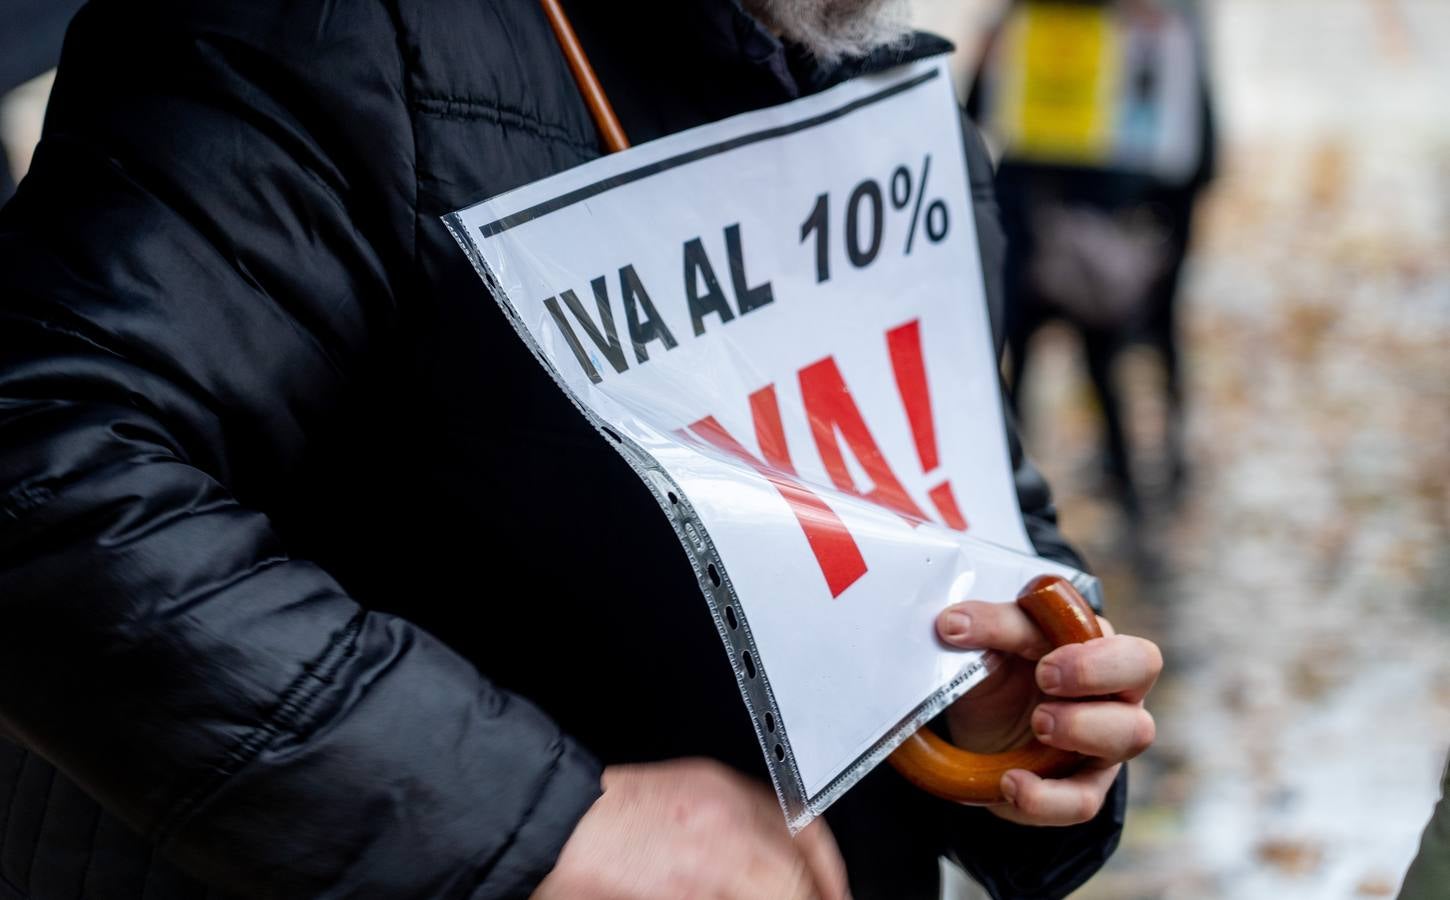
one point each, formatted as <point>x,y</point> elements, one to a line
<point>608,346</point>
<point>746,298</point>
<point>635,301</point>
<point>697,263</point>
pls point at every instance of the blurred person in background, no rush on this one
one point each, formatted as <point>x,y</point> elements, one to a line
<point>1429,874</point>
<point>1101,111</point>
<point>314,584</point>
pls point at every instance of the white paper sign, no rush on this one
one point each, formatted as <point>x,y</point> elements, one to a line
<point>779,320</point>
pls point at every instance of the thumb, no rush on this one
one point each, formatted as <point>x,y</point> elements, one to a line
<point>979,625</point>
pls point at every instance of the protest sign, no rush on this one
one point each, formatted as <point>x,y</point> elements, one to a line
<point>1097,86</point>
<point>779,320</point>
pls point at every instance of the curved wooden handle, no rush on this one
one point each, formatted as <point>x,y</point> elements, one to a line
<point>961,776</point>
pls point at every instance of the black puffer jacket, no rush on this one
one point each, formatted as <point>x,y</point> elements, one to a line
<point>277,481</point>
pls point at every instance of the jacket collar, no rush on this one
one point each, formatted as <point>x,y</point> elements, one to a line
<point>727,31</point>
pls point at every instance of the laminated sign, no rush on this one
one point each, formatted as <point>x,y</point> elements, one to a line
<point>779,320</point>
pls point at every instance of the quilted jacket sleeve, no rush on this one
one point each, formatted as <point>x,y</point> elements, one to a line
<point>189,286</point>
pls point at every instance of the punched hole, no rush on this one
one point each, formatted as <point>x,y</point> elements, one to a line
<point>673,499</point>
<point>730,618</point>
<point>770,723</point>
<point>611,435</point>
<point>749,664</point>
<point>714,574</point>
<point>779,753</point>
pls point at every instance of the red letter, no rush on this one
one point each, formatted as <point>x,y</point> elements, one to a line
<point>835,550</point>
<point>830,408</point>
<point>904,345</point>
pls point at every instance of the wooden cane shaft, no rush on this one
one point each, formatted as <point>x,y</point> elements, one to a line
<point>610,131</point>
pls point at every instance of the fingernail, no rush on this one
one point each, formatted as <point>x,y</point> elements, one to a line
<point>957,624</point>
<point>1009,789</point>
<point>1049,677</point>
<point>1042,722</point>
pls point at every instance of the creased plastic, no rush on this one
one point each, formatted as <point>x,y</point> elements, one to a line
<point>814,407</point>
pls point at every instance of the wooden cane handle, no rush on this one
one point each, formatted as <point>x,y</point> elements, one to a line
<point>951,773</point>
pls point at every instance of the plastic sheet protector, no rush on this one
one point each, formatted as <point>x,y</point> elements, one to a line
<point>779,320</point>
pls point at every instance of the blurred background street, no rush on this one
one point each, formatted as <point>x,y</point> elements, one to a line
<point>1299,585</point>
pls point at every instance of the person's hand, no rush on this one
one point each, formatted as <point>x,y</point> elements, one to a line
<point>1018,699</point>
<point>692,828</point>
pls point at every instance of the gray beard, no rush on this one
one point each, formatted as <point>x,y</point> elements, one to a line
<point>832,29</point>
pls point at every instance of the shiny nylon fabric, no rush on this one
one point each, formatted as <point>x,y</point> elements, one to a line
<point>277,482</point>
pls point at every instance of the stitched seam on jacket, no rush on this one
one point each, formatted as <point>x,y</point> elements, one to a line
<point>90,852</point>
<point>39,832</point>
<point>395,15</point>
<point>25,758</point>
<point>25,499</point>
<point>394,12</point>
<point>146,877</point>
<point>146,182</point>
<point>292,707</point>
<point>444,107</point>
<point>74,329</point>
<point>560,749</point>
